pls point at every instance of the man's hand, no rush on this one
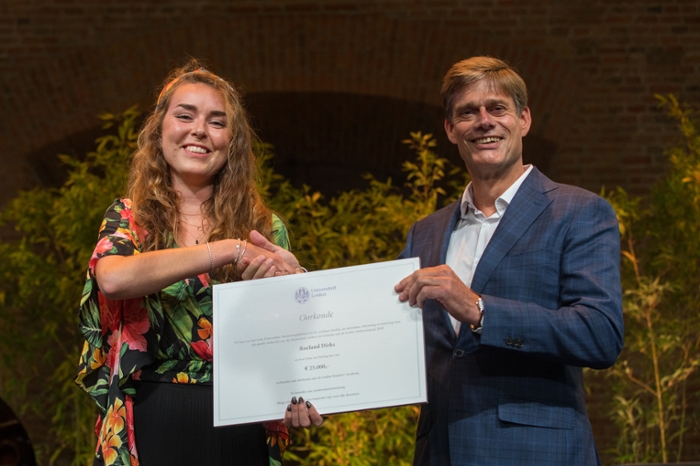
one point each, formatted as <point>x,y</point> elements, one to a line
<point>260,241</point>
<point>443,285</point>
<point>263,266</point>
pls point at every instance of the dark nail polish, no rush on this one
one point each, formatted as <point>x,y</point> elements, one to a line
<point>289,407</point>
<point>308,405</point>
<point>294,400</point>
<point>301,400</point>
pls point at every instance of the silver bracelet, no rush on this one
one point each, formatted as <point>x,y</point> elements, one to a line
<point>245,246</point>
<point>211,258</point>
<point>239,253</point>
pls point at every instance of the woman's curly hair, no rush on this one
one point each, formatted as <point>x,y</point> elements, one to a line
<point>235,207</point>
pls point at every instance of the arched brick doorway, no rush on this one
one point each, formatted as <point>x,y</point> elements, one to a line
<point>355,63</point>
<point>373,59</point>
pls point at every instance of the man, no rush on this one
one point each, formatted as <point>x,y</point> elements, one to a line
<point>520,289</point>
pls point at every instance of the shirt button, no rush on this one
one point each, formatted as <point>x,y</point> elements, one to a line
<point>509,341</point>
<point>459,353</point>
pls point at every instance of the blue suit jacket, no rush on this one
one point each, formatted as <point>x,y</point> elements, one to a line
<point>550,283</point>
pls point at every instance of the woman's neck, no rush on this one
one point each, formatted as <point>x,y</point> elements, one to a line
<point>193,226</point>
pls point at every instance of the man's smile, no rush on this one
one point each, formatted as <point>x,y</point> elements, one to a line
<point>487,140</point>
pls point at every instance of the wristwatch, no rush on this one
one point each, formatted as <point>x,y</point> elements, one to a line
<point>480,305</point>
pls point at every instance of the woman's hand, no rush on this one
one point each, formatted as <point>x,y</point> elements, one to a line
<point>259,267</point>
<point>301,413</point>
<point>262,266</point>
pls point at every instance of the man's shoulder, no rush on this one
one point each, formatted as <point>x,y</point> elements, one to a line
<point>568,190</point>
<point>429,230</point>
<point>440,216</point>
<point>561,191</point>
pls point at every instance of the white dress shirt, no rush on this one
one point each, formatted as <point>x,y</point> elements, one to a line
<point>473,232</point>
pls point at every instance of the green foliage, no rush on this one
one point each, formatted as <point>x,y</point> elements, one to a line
<point>377,437</point>
<point>42,277</point>
<point>358,227</point>
<point>661,277</point>
<point>43,271</point>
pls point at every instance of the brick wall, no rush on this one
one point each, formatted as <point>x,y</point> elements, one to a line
<point>592,68</point>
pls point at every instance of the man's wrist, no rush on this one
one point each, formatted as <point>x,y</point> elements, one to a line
<point>480,305</point>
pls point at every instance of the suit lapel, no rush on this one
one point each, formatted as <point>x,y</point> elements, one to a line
<point>443,228</point>
<point>440,248</point>
<point>527,204</point>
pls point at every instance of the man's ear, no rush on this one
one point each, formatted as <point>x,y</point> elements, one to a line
<point>449,129</point>
<point>525,121</point>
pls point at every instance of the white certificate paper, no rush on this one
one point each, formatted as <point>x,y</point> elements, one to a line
<point>339,338</point>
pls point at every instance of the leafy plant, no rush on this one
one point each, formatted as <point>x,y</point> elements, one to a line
<point>359,227</point>
<point>42,277</point>
<point>376,437</point>
<point>661,278</point>
<point>43,273</point>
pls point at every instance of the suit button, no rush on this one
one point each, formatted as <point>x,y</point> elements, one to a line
<point>459,353</point>
<point>509,341</point>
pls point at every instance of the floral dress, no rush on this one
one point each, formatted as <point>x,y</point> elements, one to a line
<point>162,337</point>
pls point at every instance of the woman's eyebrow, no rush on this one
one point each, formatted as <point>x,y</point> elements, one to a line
<point>189,107</point>
<point>193,108</point>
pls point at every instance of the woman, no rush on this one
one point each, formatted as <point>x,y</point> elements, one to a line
<point>146,310</point>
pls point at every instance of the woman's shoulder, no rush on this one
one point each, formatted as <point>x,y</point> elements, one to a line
<point>121,203</point>
<point>119,217</point>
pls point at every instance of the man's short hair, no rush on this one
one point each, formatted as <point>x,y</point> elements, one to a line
<point>499,75</point>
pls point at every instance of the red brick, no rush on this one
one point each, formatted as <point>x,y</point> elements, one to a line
<point>585,62</point>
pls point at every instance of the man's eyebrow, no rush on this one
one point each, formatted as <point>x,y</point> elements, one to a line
<point>503,101</point>
<point>460,108</point>
<point>487,103</point>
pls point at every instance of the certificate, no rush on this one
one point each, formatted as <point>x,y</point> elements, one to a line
<point>339,338</point>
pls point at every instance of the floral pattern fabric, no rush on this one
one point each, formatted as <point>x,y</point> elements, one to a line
<point>162,337</point>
